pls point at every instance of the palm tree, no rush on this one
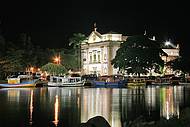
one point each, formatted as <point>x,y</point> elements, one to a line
<point>76,41</point>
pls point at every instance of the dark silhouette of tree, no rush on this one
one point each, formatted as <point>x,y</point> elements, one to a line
<point>20,54</point>
<point>2,45</point>
<point>138,55</point>
<point>76,41</point>
<point>181,64</point>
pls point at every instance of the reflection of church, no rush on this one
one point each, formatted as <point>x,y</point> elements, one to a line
<point>99,49</point>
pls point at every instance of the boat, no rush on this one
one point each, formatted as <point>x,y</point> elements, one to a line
<point>162,81</point>
<point>112,81</point>
<point>136,81</point>
<point>27,84</point>
<point>17,82</point>
<point>58,81</point>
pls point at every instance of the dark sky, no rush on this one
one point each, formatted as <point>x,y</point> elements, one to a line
<point>50,24</point>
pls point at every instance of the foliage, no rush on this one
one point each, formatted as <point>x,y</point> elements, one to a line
<point>14,61</point>
<point>2,45</point>
<point>19,54</point>
<point>69,61</point>
<point>181,63</point>
<point>76,41</point>
<point>139,55</point>
<point>54,69</point>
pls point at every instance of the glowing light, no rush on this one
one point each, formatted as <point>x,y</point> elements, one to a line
<point>57,60</point>
<point>32,69</point>
<point>167,43</point>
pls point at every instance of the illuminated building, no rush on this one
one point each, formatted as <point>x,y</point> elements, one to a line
<point>173,53</point>
<point>99,49</point>
<point>97,53</point>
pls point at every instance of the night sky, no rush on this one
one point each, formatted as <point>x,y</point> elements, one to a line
<point>50,24</point>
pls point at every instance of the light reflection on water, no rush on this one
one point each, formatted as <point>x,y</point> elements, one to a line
<point>71,106</point>
<point>56,108</point>
<point>31,106</point>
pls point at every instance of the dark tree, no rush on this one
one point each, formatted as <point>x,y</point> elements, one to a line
<point>76,41</point>
<point>138,55</point>
<point>181,64</point>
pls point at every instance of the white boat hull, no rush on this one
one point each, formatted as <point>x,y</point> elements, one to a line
<point>57,81</point>
<point>56,84</point>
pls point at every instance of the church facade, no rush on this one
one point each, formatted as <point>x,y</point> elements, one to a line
<point>98,51</point>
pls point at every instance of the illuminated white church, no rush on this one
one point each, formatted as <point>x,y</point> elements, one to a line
<point>99,49</point>
<point>97,53</point>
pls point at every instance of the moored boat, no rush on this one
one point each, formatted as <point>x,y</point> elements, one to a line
<point>26,84</point>
<point>16,81</point>
<point>136,81</point>
<point>112,81</point>
<point>58,81</point>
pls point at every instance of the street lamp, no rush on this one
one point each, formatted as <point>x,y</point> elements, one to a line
<point>32,69</point>
<point>57,60</point>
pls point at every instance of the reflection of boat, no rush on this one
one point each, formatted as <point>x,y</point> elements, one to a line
<point>16,81</point>
<point>65,81</point>
<point>109,81</point>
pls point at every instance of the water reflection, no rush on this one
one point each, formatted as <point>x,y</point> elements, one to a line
<point>71,106</point>
<point>13,95</point>
<point>67,104</point>
<point>170,99</point>
<point>56,108</point>
<point>31,107</point>
<point>100,102</point>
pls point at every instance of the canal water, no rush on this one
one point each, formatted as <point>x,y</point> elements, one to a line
<point>68,107</point>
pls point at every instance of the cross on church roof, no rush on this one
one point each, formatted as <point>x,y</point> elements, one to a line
<point>95,26</point>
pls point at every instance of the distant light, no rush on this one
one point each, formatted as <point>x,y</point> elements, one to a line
<point>167,43</point>
<point>31,68</point>
<point>56,59</point>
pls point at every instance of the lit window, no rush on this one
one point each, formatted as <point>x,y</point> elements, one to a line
<point>99,56</point>
<point>94,57</point>
<point>90,57</point>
